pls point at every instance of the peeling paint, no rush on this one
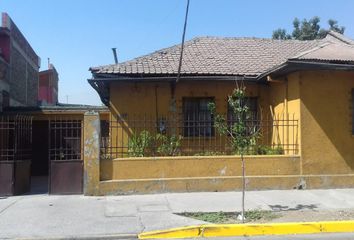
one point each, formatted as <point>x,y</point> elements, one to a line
<point>91,153</point>
<point>223,171</point>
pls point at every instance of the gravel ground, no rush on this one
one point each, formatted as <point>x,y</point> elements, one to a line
<point>278,216</point>
<point>313,215</point>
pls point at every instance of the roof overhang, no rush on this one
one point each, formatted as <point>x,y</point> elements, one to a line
<point>302,65</point>
<point>57,109</point>
<point>101,82</point>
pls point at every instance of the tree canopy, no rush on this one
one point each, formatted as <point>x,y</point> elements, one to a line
<point>308,29</point>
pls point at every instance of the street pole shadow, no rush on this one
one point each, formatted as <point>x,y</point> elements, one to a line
<point>298,207</point>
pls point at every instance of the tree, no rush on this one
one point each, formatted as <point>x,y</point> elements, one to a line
<point>281,34</point>
<point>308,30</point>
<point>241,134</point>
<point>333,25</point>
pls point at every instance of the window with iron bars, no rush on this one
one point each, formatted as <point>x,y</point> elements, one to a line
<point>197,119</point>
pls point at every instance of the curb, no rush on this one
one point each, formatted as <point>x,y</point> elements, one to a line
<point>85,237</point>
<point>228,230</point>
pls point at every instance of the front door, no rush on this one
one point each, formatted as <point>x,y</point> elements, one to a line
<point>65,156</point>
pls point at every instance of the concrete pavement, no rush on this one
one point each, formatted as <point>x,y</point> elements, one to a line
<point>43,216</point>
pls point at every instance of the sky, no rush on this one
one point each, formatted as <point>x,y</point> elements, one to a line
<point>78,34</point>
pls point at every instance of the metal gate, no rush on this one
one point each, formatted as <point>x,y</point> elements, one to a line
<point>65,156</point>
<point>15,154</point>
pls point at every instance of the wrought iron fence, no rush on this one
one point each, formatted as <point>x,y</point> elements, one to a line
<point>15,138</point>
<point>143,135</point>
<point>65,139</point>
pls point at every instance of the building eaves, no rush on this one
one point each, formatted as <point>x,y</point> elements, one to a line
<point>328,52</point>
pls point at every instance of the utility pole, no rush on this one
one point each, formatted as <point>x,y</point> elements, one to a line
<point>182,44</point>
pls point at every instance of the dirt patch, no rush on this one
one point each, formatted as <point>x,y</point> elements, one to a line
<point>261,216</point>
<point>231,217</point>
<point>314,215</point>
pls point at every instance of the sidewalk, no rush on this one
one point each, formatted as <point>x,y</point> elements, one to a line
<point>43,216</point>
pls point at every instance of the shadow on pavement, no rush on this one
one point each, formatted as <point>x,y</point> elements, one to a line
<point>298,207</point>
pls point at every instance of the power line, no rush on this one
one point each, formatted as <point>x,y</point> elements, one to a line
<point>182,44</point>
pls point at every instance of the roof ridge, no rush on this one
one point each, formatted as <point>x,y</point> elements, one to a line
<point>311,50</point>
<point>255,38</point>
<point>341,37</point>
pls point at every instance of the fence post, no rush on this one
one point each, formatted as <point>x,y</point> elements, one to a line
<point>91,153</point>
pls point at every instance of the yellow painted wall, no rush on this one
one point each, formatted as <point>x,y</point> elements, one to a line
<point>151,100</point>
<point>320,102</point>
<point>138,98</point>
<point>285,110</point>
<point>326,118</point>
<point>197,166</point>
<point>193,174</point>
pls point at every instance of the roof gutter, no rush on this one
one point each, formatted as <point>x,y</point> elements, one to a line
<point>303,65</point>
<point>102,84</point>
<point>173,78</point>
<point>325,64</point>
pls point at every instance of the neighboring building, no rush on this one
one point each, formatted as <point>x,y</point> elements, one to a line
<point>306,87</point>
<point>4,82</point>
<point>19,66</point>
<point>48,86</point>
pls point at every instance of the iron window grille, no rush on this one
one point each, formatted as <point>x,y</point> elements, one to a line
<point>197,118</point>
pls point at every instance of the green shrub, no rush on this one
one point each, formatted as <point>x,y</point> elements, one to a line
<point>168,145</point>
<point>267,150</point>
<point>210,153</point>
<point>140,145</point>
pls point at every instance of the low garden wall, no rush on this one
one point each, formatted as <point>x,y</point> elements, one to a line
<point>197,173</point>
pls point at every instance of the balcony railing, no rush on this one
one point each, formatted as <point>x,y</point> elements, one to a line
<point>178,135</point>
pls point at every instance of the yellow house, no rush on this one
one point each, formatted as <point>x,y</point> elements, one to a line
<point>300,95</point>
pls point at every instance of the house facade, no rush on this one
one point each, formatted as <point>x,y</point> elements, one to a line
<point>300,94</point>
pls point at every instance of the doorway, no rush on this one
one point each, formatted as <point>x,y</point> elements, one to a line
<point>40,157</point>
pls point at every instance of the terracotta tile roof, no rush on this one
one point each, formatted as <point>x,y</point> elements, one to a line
<point>329,52</point>
<point>214,56</point>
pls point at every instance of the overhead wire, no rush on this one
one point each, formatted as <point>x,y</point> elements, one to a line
<point>182,44</point>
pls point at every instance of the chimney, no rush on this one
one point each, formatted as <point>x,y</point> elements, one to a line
<point>115,55</point>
